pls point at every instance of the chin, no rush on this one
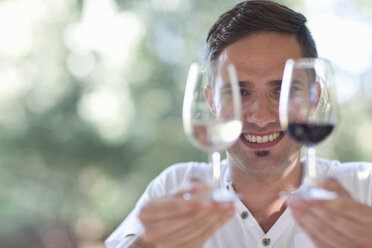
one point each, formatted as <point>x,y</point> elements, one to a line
<point>262,153</point>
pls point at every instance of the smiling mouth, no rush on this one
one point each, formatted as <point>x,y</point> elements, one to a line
<point>263,141</point>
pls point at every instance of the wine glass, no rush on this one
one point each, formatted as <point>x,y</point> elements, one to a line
<point>308,113</point>
<point>212,115</point>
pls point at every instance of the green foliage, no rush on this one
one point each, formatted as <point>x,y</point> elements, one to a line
<point>63,176</point>
<point>57,169</point>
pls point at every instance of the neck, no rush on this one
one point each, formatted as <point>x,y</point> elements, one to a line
<point>260,193</point>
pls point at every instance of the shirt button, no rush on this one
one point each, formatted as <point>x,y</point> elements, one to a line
<point>244,215</point>
<point>266,242</point>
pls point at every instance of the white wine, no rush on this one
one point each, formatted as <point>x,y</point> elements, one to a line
<point>215,135</point>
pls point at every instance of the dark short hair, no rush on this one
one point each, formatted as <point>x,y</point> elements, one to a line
<point>256,16</point>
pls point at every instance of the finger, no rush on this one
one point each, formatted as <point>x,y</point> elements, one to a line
<point>352,230</point>
<point>169,207</point>
<point>356,226</point>
<point>332,184</point>
<point>200,228</point>
<point>156,230</point>
<point>356,232</point>
<point>207,230</point>
<point>346,207</point>
<point>193,187</point>
<point>167,228</point>
<point>311,231</point>
<point>317,223</point>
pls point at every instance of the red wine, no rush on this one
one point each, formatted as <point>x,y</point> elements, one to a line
<point>309,134</point>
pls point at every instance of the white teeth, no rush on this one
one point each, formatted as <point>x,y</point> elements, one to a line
<point>261,139</point>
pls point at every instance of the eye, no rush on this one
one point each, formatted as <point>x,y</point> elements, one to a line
<point>296,86</point>
<point>245,92</point>
<point>227,92</point>
<point>294,89</point>
<point>276,93</point>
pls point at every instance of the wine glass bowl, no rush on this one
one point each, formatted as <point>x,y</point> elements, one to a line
<point>212,110</point>
<point>307,107</point>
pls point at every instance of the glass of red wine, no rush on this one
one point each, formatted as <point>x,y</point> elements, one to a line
<point>308,113</point>
<point>212,115</point>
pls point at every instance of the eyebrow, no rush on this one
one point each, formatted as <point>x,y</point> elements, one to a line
<point>246,84</point>
<point>298,82</point>
<point>277,82</point>
<point>249,84</point>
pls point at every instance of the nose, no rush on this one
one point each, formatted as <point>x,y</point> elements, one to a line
<point>260,111</point>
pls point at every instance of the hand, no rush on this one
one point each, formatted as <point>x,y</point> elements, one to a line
<point>341,222</point>
<point>174,222</point>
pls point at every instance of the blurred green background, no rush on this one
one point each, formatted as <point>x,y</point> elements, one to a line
<point>90,104</point>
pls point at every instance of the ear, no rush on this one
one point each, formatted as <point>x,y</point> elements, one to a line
<point>208,92</point>
<point>315,93</point>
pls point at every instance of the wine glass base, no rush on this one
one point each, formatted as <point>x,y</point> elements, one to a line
<point>310,192</point>
<point>217,195</point>
<point>225,196</point>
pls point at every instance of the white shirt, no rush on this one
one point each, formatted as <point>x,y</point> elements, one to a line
<point>242,230</point>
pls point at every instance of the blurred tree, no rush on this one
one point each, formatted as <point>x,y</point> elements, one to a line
<point>90,111</point>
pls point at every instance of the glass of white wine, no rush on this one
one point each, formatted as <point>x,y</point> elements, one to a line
<point>212,115</point>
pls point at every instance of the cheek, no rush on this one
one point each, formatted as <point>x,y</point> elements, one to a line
<point>290,145</point>
<point>238,149</point>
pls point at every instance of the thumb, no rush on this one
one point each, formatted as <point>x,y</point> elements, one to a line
<point>193,187</point>
<point>332,184</point>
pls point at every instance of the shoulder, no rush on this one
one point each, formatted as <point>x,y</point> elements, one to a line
<point>359,170</point>
<point>335,168</point>
<point>185,171</point>
<point>178,175</point>
<point>356,177</point>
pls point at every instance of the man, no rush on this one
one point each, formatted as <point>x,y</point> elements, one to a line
<point>257,37</point>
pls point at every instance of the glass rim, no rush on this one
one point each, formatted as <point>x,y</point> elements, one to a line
<point>307,61</point>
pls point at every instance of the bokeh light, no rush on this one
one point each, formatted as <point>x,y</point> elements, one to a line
<point>90,104</point>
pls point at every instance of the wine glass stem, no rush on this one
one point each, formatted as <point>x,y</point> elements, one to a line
<point>215,157</point>
<point>311,164</point>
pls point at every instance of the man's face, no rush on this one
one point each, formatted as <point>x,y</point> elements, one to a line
<point>262,148</point>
